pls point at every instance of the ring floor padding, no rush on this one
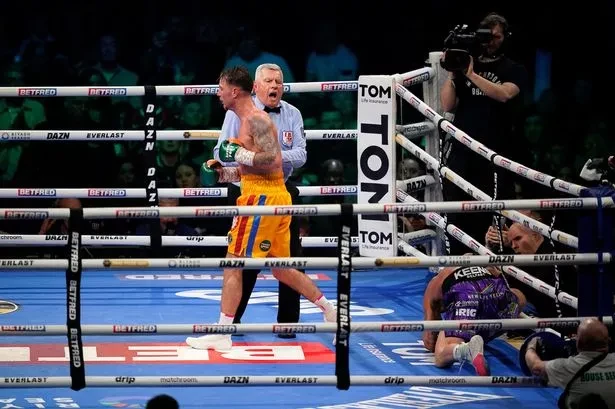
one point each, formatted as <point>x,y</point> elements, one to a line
<point>176,296</point>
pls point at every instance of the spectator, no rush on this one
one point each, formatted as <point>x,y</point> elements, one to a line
<point>523,240</point>
<point>162,402</point>
<point>590,371</point>
<point>486,97</point>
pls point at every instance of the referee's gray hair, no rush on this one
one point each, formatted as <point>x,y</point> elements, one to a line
<point>268,66</point>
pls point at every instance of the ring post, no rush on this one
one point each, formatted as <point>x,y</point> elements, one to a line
<point>377,116</point>
<point>149,148</point>
<point>595,282</point>
<point>73,300</point>
<point>342,350</point>
<point>431,94</point>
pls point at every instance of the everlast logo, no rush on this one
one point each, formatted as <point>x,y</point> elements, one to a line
<point>25,380</point>
<point>296,379</point>
<point>555,257</point>
<point>375,91</point>
<point>346,135</point>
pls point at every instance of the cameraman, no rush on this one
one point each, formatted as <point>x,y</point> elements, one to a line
<point>486,97</point>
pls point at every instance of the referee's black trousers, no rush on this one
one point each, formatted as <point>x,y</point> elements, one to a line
<point>288,299</point>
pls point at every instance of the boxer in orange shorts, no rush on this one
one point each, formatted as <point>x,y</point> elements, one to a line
<point>257,152</point>
<point>261,236</point>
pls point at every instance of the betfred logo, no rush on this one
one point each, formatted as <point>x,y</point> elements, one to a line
<point>561,204</point>
<point>339,86</point>
<point>336,190</point>
<point>296,211</point>
<point>107,92</point>
<point>401,327</point>
<point>200,90</point>
<point>137,213</point>
<point>36,192</point>
<point>25,214</point>
<point>169,353</point>
<point>106,192</point>
<point>37,92</point>
<point>202,192</point>
<point>213,212</point>
<point>479,207</point>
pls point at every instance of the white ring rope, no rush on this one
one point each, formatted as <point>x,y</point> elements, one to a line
<point>310,210</point>
<point>312,262</point>
<point>416,130</point>
<point>162,135</point>
<point>269,380</point>
<point>416,183</point>
<point>482,150</point>
<point>163,193</point>
<point>299,328</point>
<point>409,78</point>
<point>437,220</point>
<point>418,236</point>
<point>478,194</point>
<point>58,240</point>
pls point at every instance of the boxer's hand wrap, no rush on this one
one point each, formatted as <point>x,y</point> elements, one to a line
<point>229,174</point>
<point>245,157</point>
<point>232,151</point>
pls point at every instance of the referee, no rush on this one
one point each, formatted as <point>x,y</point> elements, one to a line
<point>268,89</point>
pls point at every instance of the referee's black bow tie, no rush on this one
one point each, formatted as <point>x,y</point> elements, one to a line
<point>268,110</point>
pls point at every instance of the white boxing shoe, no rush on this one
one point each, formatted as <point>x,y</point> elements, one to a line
<point>217,342</point>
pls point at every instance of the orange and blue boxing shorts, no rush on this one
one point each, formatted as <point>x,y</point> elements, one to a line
<point>261,236</point>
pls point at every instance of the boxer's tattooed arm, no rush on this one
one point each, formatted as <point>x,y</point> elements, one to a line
<point>263,134</point>
<point>229,175</point>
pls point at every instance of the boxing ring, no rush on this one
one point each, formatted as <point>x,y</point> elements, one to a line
<point>133,301</point>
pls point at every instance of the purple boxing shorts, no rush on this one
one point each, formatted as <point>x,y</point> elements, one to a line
<point>482,299</point>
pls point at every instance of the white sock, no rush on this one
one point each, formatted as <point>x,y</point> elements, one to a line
<point>324,304</point>
<point>226,319</point>
<point>461,352</point>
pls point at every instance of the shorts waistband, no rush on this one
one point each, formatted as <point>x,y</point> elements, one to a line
<point>258,183</point>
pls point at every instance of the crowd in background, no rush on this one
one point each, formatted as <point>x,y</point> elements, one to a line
<point>560,129</point>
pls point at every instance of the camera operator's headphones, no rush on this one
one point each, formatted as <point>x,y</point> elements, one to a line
<point>495,18</point>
